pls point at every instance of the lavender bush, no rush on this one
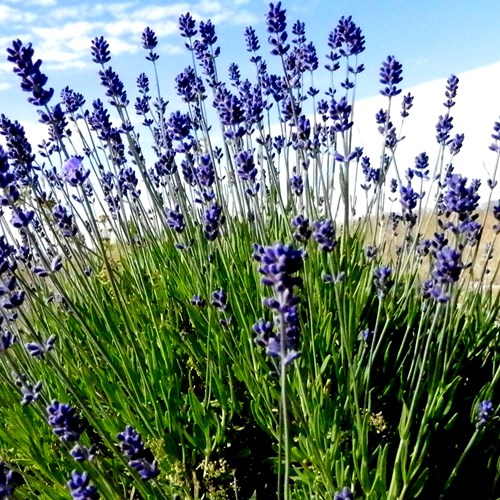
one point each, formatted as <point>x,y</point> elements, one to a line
<point>218,317</point>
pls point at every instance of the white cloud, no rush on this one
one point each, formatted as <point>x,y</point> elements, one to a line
<point>9,15</point>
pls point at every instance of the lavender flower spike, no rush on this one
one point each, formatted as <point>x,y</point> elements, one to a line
<point>140,458</point>
<point>79,486</point>
<point>485,411</point>
<point>390,76</point>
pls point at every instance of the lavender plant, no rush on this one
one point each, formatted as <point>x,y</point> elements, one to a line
<point>127,287</point>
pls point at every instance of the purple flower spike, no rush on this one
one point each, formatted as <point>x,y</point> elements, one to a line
<point>345,494</point>
<point>80,487</point>
<point>451,91</point>
<point>32,79</point>
<point>64,421</point>
<point>39,350</point>
<point>73,172</point>
<point>141,458</point>
<point>7,340</point>
<point>485,411</point>
<point>7,485</point>
<point>219,299</point>
<point>278,265</point>
<point>324,235</point>
<point>390,76</point>
<point>100,50</point>
<point>276,26</point>
<point>187,27</point>
<point>347,38</point>
<point>382,280</point>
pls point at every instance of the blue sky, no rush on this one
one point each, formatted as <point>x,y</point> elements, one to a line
<point>431,38</point>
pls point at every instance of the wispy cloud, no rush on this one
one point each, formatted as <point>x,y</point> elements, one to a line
<point>61,33</point>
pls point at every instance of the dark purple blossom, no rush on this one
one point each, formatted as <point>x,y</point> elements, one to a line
<point>73,101</point>
<point>100,50</point>
<point>187,26</point>
<point>198,301</point>
<point>340,113</point>
<point>149,42</point>
<point>73,171</point>
<point>382,280</point>
<point>80,487</point>
<point>451,91</point>
<point>213,217</point>
<point>219,299</point>
<point>495,146</point>
<point>31,393</point>
<point>346,38</point>
<point>447,265</point>
<point>408,197</point>
<point>245,166</point>
<point>32,79</point>
<point>140,457</point>
<point>7,340</point>
<point>324,234</point>
<point>175,219</point>
<point>278,265</point>
<point>345,494</point>
<point>406,105</point>
<point>302,231</point>
<point>297,184</point>
<point>114,87</point>
<point>22,219</point>
<point>443,129</point>
<point>81,453</point>
<point>251,40</point>
<point>456,143</point>
<point>204,171</point>
<point>276,26</point>
<point>390,76</point>
<point>485,411</point>
<point>458,197</point>
<point>38,350</point>
<point>7,484</point>
<point>64,421</point>
<point>189,86</point>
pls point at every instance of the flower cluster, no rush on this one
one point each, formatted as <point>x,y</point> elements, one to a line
<point>65,422</point>
<point>278,265</point>
<point>7,485</point>
<point>140,457</point>
<point>32,79</point>
<point>485,412</point>
<point>80,487</point>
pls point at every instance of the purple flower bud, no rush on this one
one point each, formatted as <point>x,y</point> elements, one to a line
<point>82,453</point>
<point>80,487</point>
<point>100,50</point>
<point>7,485</point>
<point>141,458</point>
<point>251,40</point>
<point>32,79</point>
<point>198,301</point>
<point>347,38</point>
<point>345,494</point>
<point>382,280</point>
<point>485,411</point>
<point>451,91</point>
<point>73,172</point>
<point>64,421</point>
<point>219,299</point>
<point>443,129</point>
<point>187,26</point>
<point>324,234</point>
<point>390,76</point>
